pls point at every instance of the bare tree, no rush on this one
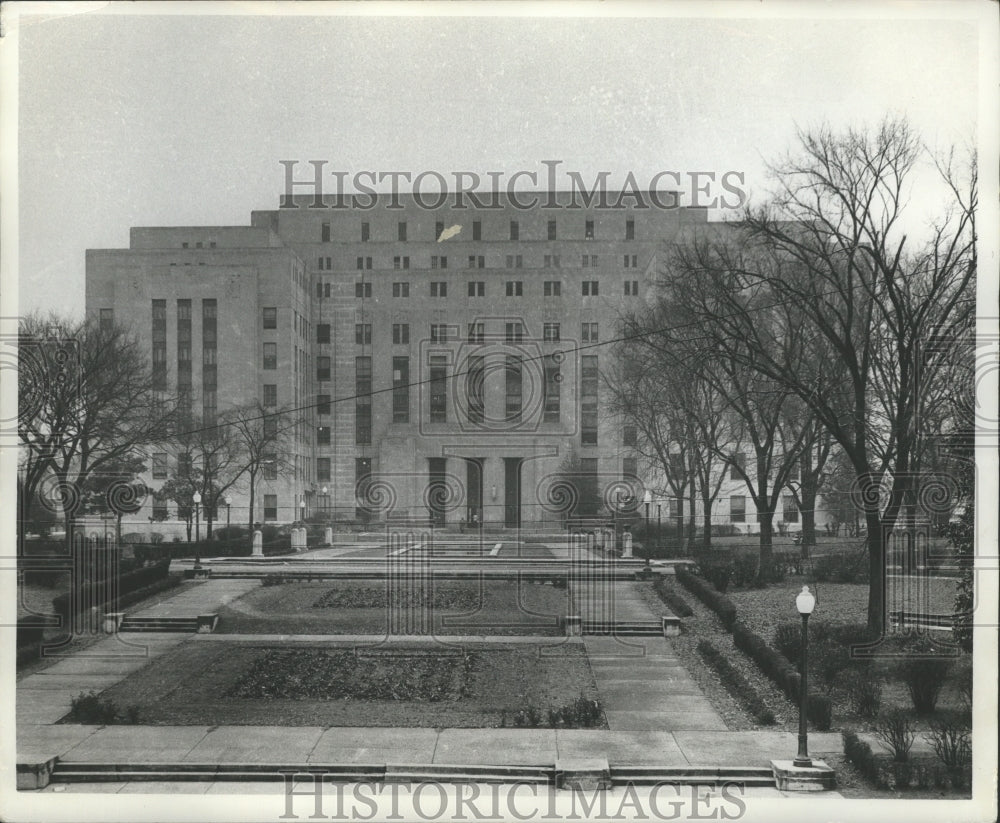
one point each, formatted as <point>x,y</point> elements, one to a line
<point>851,301</point>
<point>264,441</point>
<point>88,402</point>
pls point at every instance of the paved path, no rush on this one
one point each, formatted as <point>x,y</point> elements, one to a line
<point>198,597</point>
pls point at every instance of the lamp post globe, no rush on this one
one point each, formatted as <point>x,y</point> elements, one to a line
<point>196,499</point>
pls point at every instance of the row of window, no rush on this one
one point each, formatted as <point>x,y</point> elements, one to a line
<point>477,288</point>
<point>477,261</point>
<point>513,231</point>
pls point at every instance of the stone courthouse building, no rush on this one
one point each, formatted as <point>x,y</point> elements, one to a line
<point>443,363</point>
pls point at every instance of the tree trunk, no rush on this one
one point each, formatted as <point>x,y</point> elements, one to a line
<point>766,520</point>
<point>692,515</point>
<point>706,519</point>
<point>253,488</point>
<point>807,494</point>
<point>876,568</point>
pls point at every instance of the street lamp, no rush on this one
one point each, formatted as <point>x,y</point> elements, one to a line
<point>326,505</point>
<point>302,511</point>
<point>805,602</point>
<point>647,499</point>
<point>196,497</point>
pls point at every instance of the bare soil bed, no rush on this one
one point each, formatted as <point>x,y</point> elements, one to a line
<point>404,606</point>
<point>246,683</point>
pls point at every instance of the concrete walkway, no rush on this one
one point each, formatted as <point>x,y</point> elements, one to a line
<point>199,597</point>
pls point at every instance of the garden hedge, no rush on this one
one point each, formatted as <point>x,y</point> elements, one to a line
<point>673,601</point>
<point>99,593</point>
<point>784,675</point>
<point>718,603</point>
<point>737,685</point>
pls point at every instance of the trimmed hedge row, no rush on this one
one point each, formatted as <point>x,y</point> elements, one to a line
<point>99,593</point>
<point>738,686</point>
<point>721,605</point>
<point>861,756</point>
<point>671,599</point>
<point>775,666</point>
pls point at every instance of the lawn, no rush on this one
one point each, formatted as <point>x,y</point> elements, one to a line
<point>398,606</point>
<point>430,685</point>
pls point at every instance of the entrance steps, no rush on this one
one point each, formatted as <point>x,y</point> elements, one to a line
<point>623,627</point>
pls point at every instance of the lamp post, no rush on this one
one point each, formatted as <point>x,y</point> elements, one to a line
<point>229,502</point>
<point>659,524</point>
<point>196,497</point>
<point>805,602</point>
<point>302,510</point>
<point>326,505</point>
<point>647,499</point>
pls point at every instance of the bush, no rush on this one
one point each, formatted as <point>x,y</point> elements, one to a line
<point>719,574</point>
<point>744,571</point>
<point>864,689</point>
<point>722,606</point>
<point>842,568</point>
<point>861,756</point>
<point>737,685</point>
<point>896,731</point>
<point>227,533</point>
<point>582,713</point>
<point>924,678</point>
<point>671,599</point>
<point>99,593</point>
<point>952,744</point>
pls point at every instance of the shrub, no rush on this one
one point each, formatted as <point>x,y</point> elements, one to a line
<point>864,689</point>
<point>952,744</point>
<point>842,568</point>
<point>227,533</point>
<point>673,601</point>
<point>99,592</point>
<point>895,729</point>
<point>91,708</point>
<point>924,678</point>
<point>155,538</point>
<point>582,713</point>
<point>737,685</point>
<point>861,756</point>
<point>744,571</point>
<point>718,573</point>
<point>788,640</point>
<point>828,660</point>
<point>722,606</point>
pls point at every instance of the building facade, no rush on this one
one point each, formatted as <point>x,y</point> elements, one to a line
<point>437,363</point>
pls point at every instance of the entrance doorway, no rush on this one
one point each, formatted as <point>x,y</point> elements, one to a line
<point>512,491</point>
<point>474,490</point>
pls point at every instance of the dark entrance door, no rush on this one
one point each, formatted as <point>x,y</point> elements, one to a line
<point>474,490</point>
<point>512,491</point>
<point>437,492</point>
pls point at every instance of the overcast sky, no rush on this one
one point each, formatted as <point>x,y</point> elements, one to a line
<point>181,120</point>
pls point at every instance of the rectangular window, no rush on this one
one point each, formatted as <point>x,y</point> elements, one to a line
<point>107,318</point>
<point>364,263</point>
<point>630,229</point>
<point>515,261</point>
<point>477,288</point>
<point>439,333</point>
<point>515,288</point>
<point>477,230</point>
<point>401,230</point>
<point>362,400</point>
<point>363,334</point>
<point>438,230</point>
<point>400,334</point>
<point>514,387</point>
<point>588,487</point>
<point>477,333</point>
<point>270,395</point>
<point>322,367</point>
<point>400,262</point>
<point>362,290</point>
<point>269,461</point>
<point>790,511</point>
<point>550,333</point>
<point>362,471</point>
<point>322,332</point>
<point>439,288</point>
<point>400,389</point>
<point>737,508</point>
<point>270,356</point>
<point>552,385</point>
<point>322,468</point>
<point>400,289</point>
<point>159,465</point>
<point>588,229</point>
<point>325,233</point>
<point>630,467</point>
<point>737,464</point>
<point>323,404</point>
<point>323,436</point>
<point>631,261</point>
<point>439,262</point>
<point>326,289</point>
<point>160,511</point>
<point>366,232</point>
<point>588,332</point>
<point>439,390</point>
<point>631,288</point>
<point>589,377</point>
<point>590,288</point>
<point>475,393</point>
<point>630,435</point>
<point>270,507</point>
<point>514,333</point>
<point>552,229</point>
<point>552,288</point>
<point>270,426</point>
<point>159,350</point>
<point>477,262</point>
